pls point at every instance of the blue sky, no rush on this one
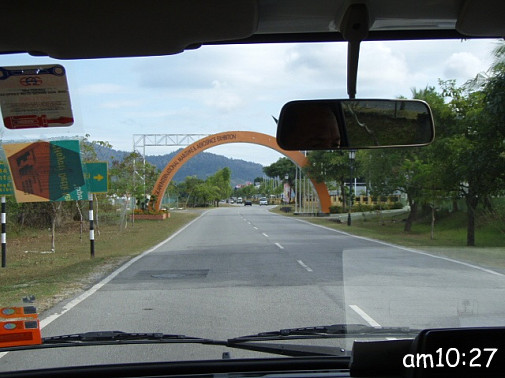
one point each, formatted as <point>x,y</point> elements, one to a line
<point>221,88</point>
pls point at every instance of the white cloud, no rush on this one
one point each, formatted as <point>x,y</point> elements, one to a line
<point>120,104</point>
<point>381,67</point>
<point>223,97</point>
<point>102,88</point>
<point>463,65</point>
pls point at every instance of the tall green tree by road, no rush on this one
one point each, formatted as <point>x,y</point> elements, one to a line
<point>186,188</point>
<point>282,168</point>
<point>131,177</point>
<point>474,160</point>
<point>221,180</point>
<point>328,166</point>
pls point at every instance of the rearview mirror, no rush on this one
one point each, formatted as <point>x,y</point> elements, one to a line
<point>354,124</point>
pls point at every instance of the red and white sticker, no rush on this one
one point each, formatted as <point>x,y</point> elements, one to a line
<point>35,97</point>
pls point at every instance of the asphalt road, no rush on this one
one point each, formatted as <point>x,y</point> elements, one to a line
<point>241,270</point>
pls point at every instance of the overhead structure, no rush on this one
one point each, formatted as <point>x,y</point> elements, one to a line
<point>210,141</point>
<point>141,141</point>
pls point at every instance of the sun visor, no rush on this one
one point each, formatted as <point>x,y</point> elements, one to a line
<point>122,29</point>
<point>482,18</point>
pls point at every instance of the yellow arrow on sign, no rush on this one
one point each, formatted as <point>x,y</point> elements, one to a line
<point>98,177</point>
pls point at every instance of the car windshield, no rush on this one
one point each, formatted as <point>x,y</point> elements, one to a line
<point>371,240</point>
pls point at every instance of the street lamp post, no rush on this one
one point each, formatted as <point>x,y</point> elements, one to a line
<point>288,194</point>
<point>352,154</point>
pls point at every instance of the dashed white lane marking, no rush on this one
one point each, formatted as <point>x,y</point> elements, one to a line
<point>265,235</point>
<point>365,316</point>
<point>307,268</point>
<point>255,227</point>
<point>278,245</point>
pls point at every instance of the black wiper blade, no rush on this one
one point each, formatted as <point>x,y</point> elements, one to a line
<point>112,338</point>
<point>244,342</point>
<point>292,350</point>
<point>329,331</point>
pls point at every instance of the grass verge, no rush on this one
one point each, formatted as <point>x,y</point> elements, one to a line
<point>33,269</point>
<point>449,236</point>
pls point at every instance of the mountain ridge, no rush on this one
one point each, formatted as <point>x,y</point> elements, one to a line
<point>201,165</point>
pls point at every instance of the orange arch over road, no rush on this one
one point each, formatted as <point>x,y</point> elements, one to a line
<point>233,137</point>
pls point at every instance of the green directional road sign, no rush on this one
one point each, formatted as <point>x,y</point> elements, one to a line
<point>5,180</point>
<point>96,177</point>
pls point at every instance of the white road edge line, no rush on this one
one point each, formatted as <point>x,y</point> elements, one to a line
<point>407,249</point>
<point>365,316</point>
<point>278,245</point>
<point>307,268</point>
<point>49,319</point>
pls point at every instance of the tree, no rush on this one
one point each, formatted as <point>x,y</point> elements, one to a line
<point>131,178</point>
<point>282,168</point>
<point>204,193</point>
<point>474,159</point>
<point>187,188</point>
<point>380,169</point>
<point>246,191</point>
<point>88,148</point>
<point>328,166</point>
<point>128,176</point>
<point>422,172</point>
<point>270,186</point>
<point>222,181</point>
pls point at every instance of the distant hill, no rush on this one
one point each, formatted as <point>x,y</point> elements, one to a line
<point>202,165</point>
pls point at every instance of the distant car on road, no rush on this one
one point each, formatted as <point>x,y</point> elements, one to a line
<point>247,203</point>
<point>263,201</point>
<point>239,200</point>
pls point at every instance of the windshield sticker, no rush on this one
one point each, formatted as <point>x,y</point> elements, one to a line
<point>46,171</point>
<point>34,97</point>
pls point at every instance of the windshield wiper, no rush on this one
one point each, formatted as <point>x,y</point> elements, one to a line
<point>116,336</point>
<point>251,342</point>
<point>112,338</point>
<point>329,331</point>
<point>124,338</point>
<point>258,342</point>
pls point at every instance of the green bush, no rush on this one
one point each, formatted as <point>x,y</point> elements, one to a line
<point>362,207</point>
<point>396,205</point>
<point>336,209</point>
